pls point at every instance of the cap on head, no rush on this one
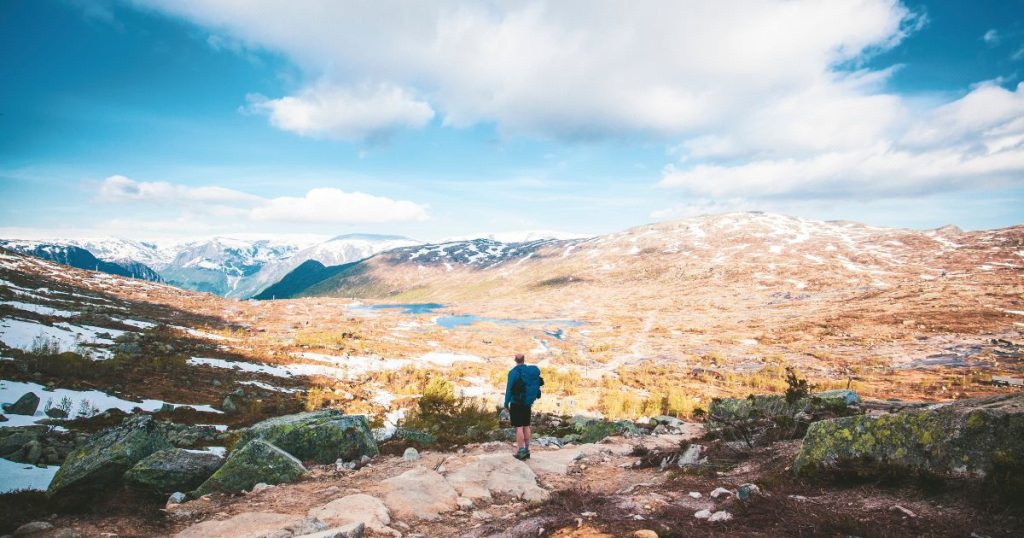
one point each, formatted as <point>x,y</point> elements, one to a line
<point>520,358</point>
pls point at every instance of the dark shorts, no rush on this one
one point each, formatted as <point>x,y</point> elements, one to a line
<point>520,415</point>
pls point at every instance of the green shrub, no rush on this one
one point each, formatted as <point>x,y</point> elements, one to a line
<point>452,420</point>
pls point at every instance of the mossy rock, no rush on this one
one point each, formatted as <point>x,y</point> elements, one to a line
<point>321,436</point>
<point>594,430</point>
<point>415,436</point>
<point>174,469</point>
<point>104,459</point>
<point>969,438</point>
<point>258,461</point>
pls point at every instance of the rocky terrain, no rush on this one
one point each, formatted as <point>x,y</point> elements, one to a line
<point>650,341</point>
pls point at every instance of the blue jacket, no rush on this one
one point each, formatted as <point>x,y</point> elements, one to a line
<point>530,375</point>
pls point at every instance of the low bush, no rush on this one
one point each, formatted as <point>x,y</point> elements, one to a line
<point>450,419</point>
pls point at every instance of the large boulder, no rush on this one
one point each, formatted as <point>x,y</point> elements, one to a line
<point>321,436</point>
<point>257,461</point>
<point>968,438</point>
<point>105,458</point>
<point>174,469</point>
<point>26,405</point>
<point>496,474</point>
<point>419,494</point>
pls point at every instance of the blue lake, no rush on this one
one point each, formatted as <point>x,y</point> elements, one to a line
<point>408,308</point>
<point>552,327</point>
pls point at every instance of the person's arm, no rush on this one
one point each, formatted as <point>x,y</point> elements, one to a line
<point>508,388</point>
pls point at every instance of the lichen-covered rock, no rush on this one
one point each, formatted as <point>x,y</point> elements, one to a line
<point>415,436</point>
<point>105,458</point>
<point>320,436</point>
<point>26,405</point>
<point>838,397</point>
<point>967,438</point>
<point>257,461</point>
<point>594,430</point>
<point>174,469</point>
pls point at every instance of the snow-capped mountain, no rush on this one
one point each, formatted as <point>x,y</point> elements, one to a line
<point>221,264</point>
<point>75,256</point>
<point>521,236</point>
<point>335,251</point>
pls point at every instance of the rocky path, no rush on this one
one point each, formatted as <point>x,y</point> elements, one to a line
<point>475,492</point>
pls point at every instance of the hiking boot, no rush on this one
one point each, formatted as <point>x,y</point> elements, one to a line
<point>523,454</point>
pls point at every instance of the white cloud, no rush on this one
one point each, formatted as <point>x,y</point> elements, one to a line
<point>345,113</point>
<point>322,205</point>
<point>119,188</point>
<point>992,37</point>
<point>560,68</point>
<point>337,206</point>
<point>975,141</point>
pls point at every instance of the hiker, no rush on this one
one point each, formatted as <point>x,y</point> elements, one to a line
<point>522,389</point>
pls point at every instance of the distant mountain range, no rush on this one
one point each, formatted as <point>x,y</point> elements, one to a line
<point>228,266</point>
<point>739,251</point>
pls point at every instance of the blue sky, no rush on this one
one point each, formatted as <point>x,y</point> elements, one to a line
<point>161,118</point>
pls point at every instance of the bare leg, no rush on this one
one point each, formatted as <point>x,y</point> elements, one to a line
<point>526,437</point>
<point>520,436</point>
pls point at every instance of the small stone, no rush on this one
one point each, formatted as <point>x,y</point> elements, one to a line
<point>228,405</point>
<point>746,491</point>
<point>411,454</point>
<point>26,405</point>
<point>718,492</point>
<point>33,527</point>
<point>695,494</point>
<point>589,514</point>
<point>176,498</point>
<point>464,503</point>
<point>645,533</point>
<point>702,514</point>
<point>904,511</point>
<point>261,487</point>
<point>66,533</point>
<point>720,515</point>
<point>333,490</point>
<point>364,459</point>
<point>481,515</point>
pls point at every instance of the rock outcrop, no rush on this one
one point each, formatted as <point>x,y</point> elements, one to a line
<point>267,524</point>
<point>321,436</point>
<point>358,508</point>
<point>257,461</point>
<point>419,494</point>
<point>174,469</point>
<point>107,456</point>
<point>967,438</point>
<point>496,474</point>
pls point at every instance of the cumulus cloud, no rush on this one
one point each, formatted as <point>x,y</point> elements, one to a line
<point>322,205</point>
<point>563,69</point>
<point>764,98</point>
<point>345,113</point>
<point>337,206</point>
<point>974,141</point>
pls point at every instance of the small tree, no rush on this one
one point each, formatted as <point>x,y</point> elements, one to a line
<point>797,388</point>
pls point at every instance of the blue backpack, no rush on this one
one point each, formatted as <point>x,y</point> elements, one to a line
<point>526,385</point>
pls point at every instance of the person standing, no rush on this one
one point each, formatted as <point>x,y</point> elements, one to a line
<point>521,390</point>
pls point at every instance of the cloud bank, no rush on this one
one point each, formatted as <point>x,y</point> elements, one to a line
<point>758,98</point>
<point>318,206</point>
